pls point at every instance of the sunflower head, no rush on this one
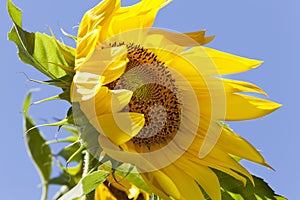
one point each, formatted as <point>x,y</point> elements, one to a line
<point>146,93</point>
<point>156,99</point>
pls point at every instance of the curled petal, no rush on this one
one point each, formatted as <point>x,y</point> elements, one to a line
<point>140,15</point>
<point>119,127</point>
<point>91,27</point>
<point>105,101</point>
<point>107,62</point>
<point>199,37</point>
<point>85,47</point>
<point>85,85</point>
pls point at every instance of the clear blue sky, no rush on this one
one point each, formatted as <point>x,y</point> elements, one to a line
<point>266,30</point>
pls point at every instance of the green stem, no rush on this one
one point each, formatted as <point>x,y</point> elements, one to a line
<point>86,170</point>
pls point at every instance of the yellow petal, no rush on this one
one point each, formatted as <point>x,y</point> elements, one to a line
<point>186,185</point>
<point>105,101</point>
<point>108,101</point>
<point>154,189</point>
<point>236,145</point>
<point>96,16</point>
<point>222,161</point>
<point>104,66</point>
<point>85,47</point>
<point>91,27</point>
<point>161,184</point>
<point>123,186</point>
<point>199,37</point>
<point>206,178</point>
<point>140,15</point>
<point>233,86</point>
<point>115,72</point>
<point>85,85</point>
<point>108,62</point>
<point>119,127</point>
<point>143,7</point>
<point>182,39</point>
<point>231,64</point>
<point>103,193</point>
<point>200,60</point>
<point>244,107</point>
<point>188,75</point>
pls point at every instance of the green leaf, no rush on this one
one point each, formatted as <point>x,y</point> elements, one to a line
<point>71,129</point>
<point>68,151</point>
<point>75,192</point>
<point>70,176</point>
<point>38,49</point>
<point>55,97</point>
<point>233,189</point>
<point>63,140</point>
<point>65,84</point>
<point>91,181</point>
<point>62,179</point>
<point>68,53</point>
<point>38,150</point>
<point>76,170</point>
<point>77,155</point>
<point>86,185</point>
<point>131,174</point>
<point>63,190</point>
<point>69,35</point>
<point>59,123</point>
<point>15,13</point>
<point>68,120</point>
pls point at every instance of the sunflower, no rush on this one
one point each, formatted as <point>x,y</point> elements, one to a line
<point>158,100</point>
<point>117,188</point>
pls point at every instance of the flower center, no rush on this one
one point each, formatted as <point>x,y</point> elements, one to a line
<point>154,95</point>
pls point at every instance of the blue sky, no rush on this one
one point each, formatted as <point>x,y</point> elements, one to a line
<point>266,30</point>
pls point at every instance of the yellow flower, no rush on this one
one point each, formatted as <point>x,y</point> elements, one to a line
<point>158,100</point>
<point>116,188</point>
